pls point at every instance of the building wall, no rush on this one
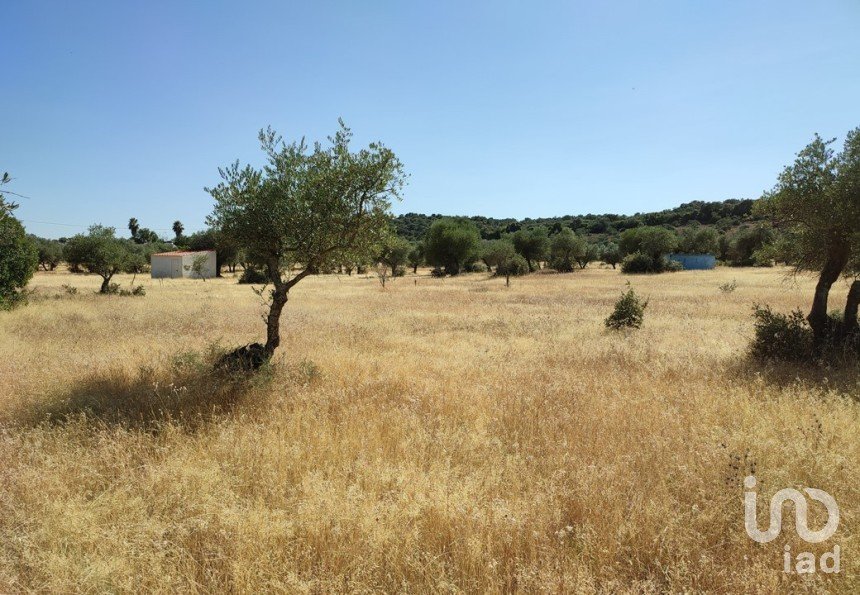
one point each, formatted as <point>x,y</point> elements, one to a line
<point>695,262</point>
<point>209,270</point>
<point>165,267</point>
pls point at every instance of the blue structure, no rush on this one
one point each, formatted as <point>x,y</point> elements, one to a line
<point>695,262</point>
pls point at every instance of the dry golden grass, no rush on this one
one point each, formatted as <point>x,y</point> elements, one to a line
<point>449,436</point>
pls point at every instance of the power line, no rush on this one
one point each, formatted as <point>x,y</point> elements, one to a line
<point>85,226</point>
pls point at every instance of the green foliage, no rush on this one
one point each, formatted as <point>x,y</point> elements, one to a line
<point>394,253</point>
<point>19,256</point>
<point>639,263</point>
<point>100,252</point>
<point>698,240</point>
<point>178,228</point>
<point>610,254</point>
<point>816,204</point>
<point>252,276</point>
<point>783,337</point>
<point>50,252</point>
<point>655,242</point>
<point>512,266</point>
<point>748,246</point>
<point>532,244</point>
<point>452,243</point>
<point>316,208</point>
<point>721,215</point>
<point>494,252</point>
<point>629,311</point>
<point>415,258</point>
<point>566,248</point>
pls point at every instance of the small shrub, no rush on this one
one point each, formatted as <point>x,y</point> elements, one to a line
<point>112,289</point>
<point>784,337</point>
<point>253,276</point>
<point>629,311</point>
<point>437,272</point>
<point>399,272</point>
<point>70,289</point>
<point>729,287</point>
<point>136,291</point>
<point>476,267</point>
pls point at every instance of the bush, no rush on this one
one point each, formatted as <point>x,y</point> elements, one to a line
<point>253,276</point>
<point>137,291</point>
<point>789,338</point>
<point>629,311</point>
<point>637,263</point>
<point>729,287</point>
<point>784,337</point>
<point>399,271</point>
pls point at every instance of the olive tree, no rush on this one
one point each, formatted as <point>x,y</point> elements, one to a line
<point>565,247</point>
<point>394,253</point>
<point>307,209</point>
<point>100,252</point>
<point>18,254</point>
<point>816,205</point>
<point>415,258</point>
<point>450,243</point>
<point>532,244</point>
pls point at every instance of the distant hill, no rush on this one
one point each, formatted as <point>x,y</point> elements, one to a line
<point>723,215</point>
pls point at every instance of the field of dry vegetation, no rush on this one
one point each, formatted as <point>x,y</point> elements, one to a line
<point>440,436</point>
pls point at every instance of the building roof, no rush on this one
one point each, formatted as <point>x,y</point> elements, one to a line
<point>183,252</point>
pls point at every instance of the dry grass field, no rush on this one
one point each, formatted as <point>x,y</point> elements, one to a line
<point>440,436</point>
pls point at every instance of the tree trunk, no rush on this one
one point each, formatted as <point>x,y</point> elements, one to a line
<point>851,304</point>
<point>829,275</point>
<point>105,284</point>
<point>273,321</point>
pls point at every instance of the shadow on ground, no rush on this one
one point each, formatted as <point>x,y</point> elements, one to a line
<point>842,378</point>
<point>188,392</point>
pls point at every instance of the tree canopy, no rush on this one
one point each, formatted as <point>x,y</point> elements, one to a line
<point>306,209</point>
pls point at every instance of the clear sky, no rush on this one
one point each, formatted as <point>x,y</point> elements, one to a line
<point>113,110</point>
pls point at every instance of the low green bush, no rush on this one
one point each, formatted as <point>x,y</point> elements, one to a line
<point>629,311</point>
<point>253,276</point>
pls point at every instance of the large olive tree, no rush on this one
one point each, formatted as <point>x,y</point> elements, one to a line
<point>18,254</point>
<point>306,209</point>
<point>816,204</point>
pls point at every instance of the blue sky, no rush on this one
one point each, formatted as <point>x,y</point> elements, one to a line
<point>508,109</point>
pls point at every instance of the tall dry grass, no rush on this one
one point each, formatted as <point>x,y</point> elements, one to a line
<point>446,436</point>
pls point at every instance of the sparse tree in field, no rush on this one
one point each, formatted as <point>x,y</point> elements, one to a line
<point>816,205</point>
<point>415,258</point>
<point>610,254</point>
<point>394,253</point>
<point>532,244</point>
<point>18,254</point>
<point>629,311</point>
<point>178,228</point>
<point>451,243</point>
<point>306,209</point>
<point>100,252</point>
<point>512,265</point>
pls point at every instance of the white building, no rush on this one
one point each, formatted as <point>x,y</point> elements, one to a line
<point>175,265</point>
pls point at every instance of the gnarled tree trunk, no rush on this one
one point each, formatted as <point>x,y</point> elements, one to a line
<point>273,322</point>
<point>817,318</point>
